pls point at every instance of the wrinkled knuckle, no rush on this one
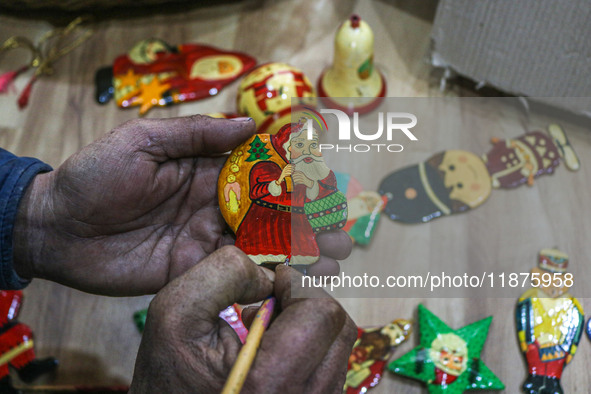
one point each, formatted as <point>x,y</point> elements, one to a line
<point>132,132</point>
<point>130,125</point>
<point>157,306</point>
<point>237,260</point>
<point>160,314</point>
<point>331,311</point>
<point>261,381</point>
<point>200,119</point>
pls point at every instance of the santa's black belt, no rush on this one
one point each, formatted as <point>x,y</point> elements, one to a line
<point>279,207</point>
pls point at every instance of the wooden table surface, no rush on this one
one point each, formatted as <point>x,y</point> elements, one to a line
<point>94,337</point>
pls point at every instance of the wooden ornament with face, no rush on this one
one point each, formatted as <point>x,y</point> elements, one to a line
<point>449,182</point>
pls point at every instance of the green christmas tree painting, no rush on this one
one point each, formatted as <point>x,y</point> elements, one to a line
<point>258,150</point>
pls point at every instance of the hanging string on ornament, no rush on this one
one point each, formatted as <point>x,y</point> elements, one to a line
<point>7,79</point>
<point>51,46</point>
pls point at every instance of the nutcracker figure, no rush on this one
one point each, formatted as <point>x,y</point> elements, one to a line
<point>513,162</point>
<point>371,352</point>
<point>448,182</point>
<point>455,181</point>
<point>549,324</point>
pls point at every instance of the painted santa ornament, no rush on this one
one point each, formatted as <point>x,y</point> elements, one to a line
<point>267,92</point>
<point>549,323</point>
<point>371,352</point>
<point>448,361</point>
<point>352,83</point>
<point>156,74</point>
<point>276,193</point>
<point>449,182</point>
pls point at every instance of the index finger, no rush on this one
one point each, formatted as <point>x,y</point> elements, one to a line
<point>189,136</point>
<point>299,338</point>
<point>194,300</point>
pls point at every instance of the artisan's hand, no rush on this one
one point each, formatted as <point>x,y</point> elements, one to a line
<point>135,209</point>
<point>131,211</point>
<point>187,348</point>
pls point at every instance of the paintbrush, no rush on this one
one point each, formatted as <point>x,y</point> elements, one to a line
<point>249,349</point>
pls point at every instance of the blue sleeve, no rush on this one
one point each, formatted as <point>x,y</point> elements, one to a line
<point>15,175</point>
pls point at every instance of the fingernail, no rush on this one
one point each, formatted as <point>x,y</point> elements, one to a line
<point>242,119</point>
<point>270,274</point>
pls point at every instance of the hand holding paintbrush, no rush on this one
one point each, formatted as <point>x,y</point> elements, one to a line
<point>186,347</point>
<point>315,336</point>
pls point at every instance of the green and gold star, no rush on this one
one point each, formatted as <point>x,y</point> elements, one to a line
<point>447,360</point>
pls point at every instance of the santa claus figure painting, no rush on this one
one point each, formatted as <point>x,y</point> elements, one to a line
<point>449,353</point>
<point>277,193</point>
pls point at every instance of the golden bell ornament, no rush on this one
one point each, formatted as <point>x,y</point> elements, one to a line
<point>352,83</point>
<point>266,93</point>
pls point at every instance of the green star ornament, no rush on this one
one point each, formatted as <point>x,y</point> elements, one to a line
<point>447,360</point>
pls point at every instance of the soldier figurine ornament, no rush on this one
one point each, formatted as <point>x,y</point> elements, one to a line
<point>371,352</point>
<point>455,181</point>
<point>549,323</point>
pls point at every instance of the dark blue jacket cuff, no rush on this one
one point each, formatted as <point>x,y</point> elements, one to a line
<point>16,173</point>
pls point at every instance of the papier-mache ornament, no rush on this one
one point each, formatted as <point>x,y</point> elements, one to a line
<point>449,182</point>
<point>448,361</point>
<point>516,161</point>
<point>455,181</point>
<point>276,193</point>
<point>17,346</point>
<point>364,208</point>
<point>549,324</point>
<point>270,92</point>
<point>352,73</point>
<point>156,74</point>
<point>371,352</point>
<point>45,52</point>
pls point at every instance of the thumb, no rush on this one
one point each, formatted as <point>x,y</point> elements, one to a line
<point>225,277</point>
<point>190,136</point>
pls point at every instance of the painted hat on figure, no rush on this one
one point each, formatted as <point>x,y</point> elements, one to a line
<point>552,260</point>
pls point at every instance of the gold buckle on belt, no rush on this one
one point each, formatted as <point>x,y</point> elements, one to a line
<point>283,208</point>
